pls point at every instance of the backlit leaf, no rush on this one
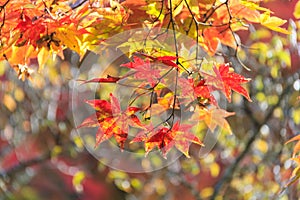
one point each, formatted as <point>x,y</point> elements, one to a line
<point>273,22</point>
<point>111,120</point>
<point>297,10</point>
<point>165,138</point>
<point>43,56</point>
<point>213,117</point>
<point>109,79</point>
<point>143,70</point>
<point>224,79</point>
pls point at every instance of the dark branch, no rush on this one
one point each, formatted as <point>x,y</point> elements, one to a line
<point>78,4</point>
<point>228,174</point>
<point>22,165</point>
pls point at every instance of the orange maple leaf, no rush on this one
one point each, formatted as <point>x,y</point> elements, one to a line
<point>297,146</point>
<point>213,117</point>
<point>215,35</point>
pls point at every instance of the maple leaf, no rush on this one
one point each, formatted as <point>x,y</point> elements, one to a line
<point>202,90</point>
<point>166,138</point>
<point>297,146</point>
<point>226,80</point>
<point>136,8</point>
<point>102,110</point>
<point>108,79</point>
<point>239,9</point>
<point>144,70</point>
<point>210,44</point>
<point>213,36</point>
<point>273,22</point>
<point>296,12</point>
<point>213,117</point>
<point>295,174</point>
<point>196,90</point>
<point>26,26</point>
<point>167,60</point>
<point>111,120</point>
<point>43,56</point>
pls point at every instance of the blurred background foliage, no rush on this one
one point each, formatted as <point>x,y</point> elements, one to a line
<point>42,157</point>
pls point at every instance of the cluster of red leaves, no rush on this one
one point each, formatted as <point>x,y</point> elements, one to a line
<point>39,29</point>
<point>112,121</point>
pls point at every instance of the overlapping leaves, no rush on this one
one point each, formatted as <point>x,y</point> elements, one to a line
<point>111,120</point>
<point>152,75</point>
<point>37,29</point>
<point>60,24</point>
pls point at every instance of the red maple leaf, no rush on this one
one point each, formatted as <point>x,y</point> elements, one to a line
<point>26,27</point>
<point>202,90</point>
<point>225,79</point>
<point>144,70</point>
<point>196,90</point>
<point>166,138</point>
<point>111,120</point>
<point>108,79</point>
<point>102,110</point>
<point>167,60</point>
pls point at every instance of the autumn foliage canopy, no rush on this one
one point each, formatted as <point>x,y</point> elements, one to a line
<point>192,79</point>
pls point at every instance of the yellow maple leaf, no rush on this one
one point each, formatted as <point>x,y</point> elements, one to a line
<point>43,56</point>
<point>69,37</point>
<point>273,22</point>
<point>297,10</point>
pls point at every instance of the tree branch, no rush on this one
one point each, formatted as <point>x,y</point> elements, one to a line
<point>228,174</point>
<point>78,4</point>
<point>23,165</point>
